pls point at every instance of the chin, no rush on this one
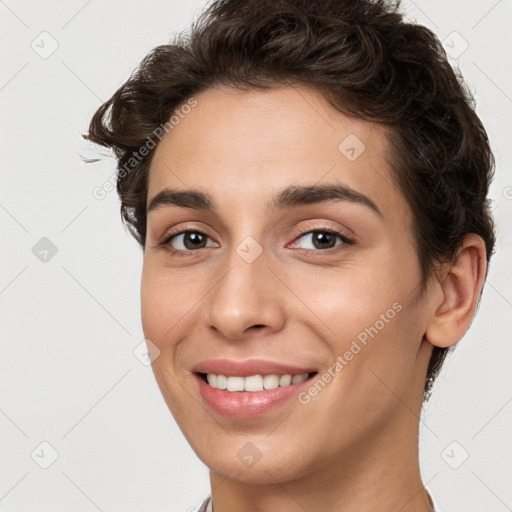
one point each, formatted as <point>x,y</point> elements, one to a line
<point>256,460</point>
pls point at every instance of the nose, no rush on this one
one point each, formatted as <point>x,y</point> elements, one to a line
<point>246,298</point>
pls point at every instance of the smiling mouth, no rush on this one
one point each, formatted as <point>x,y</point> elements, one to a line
<point>254,383</point>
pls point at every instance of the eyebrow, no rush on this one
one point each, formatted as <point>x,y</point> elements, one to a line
<point>292,196</point>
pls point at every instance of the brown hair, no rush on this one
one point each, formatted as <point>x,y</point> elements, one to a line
<point>367,61</point>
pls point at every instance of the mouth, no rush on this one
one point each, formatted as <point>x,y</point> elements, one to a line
<point>253,383</point>
<point>247,389</point>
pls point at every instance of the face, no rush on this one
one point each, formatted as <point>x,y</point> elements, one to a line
<point>291,257</point>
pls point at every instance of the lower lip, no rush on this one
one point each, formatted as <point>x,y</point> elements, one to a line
<point>247,404</point>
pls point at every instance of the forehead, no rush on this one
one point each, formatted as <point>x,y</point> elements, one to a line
<point>258,141</point>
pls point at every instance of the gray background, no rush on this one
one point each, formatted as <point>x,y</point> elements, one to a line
<point>70,319</point>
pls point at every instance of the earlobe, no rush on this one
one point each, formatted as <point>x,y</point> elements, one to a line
<point>458,293</point>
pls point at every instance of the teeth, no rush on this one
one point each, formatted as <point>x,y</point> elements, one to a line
<point>254,382</point>
<point>222,382</point>
<point>285,380</point>
<point>235,383</point>
<point>270,381</point>
<point>297,379</point>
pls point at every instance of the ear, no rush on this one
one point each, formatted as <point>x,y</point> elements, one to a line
<point>456,294</point>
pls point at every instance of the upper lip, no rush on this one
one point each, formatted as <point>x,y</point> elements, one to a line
<point>248,367</point>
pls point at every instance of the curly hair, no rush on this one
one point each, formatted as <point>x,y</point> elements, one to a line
<point>367,61</point>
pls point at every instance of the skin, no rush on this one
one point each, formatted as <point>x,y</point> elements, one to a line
<point>354,446</point>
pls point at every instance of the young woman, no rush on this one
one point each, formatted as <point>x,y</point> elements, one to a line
<point>308,180</point>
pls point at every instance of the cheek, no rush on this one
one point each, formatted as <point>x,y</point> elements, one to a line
<point>168,300</point>
<point>373,335</point>
<point>364,286</point>
<point>352,304</point>
<point>369,315</point>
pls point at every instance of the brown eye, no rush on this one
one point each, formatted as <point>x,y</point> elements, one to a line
<point>193,240</point>
<point>323,240</point>
<point>188,241</point>
<point>318,240</point>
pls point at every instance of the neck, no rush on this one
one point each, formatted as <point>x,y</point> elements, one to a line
<point>380,474</point>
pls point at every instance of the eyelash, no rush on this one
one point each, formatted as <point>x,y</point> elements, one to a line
<point>305,231</point>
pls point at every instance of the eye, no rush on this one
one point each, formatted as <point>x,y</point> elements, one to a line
<point>188,241</point>
<point>321,240</point>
